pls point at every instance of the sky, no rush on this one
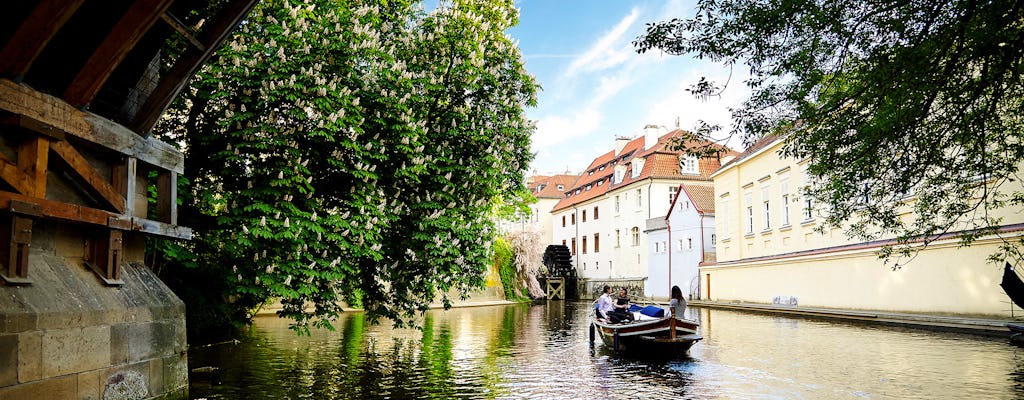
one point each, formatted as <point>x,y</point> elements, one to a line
<point>596,87</point>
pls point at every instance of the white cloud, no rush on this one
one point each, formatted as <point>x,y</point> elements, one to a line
<point>608,51</point>
<point>558,129</point>
<point>677,102</point>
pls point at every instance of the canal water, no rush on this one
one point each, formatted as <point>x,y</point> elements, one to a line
<point>542,352</point>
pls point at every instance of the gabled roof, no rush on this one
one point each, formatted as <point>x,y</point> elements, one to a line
<point>660,161</point>
<point>549,185</point>
<point>754,148</point>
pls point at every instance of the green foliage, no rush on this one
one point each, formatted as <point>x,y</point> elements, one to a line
<point>504,261</point>
<point>350,152</point>
<point>884,99</point>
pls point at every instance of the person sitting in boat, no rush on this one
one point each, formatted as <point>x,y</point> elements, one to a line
<point>621,311</point>
<point>677,305</point>
<point>604,303</point>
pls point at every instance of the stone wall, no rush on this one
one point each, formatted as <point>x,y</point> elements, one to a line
<point>68,336</point>
<point>590,289</point>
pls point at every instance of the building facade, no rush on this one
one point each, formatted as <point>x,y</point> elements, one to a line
<point>680,241</point>
<point>768,250</point>
<point>603,217</point>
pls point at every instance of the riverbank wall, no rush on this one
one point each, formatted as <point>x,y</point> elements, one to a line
<point>68,335</point>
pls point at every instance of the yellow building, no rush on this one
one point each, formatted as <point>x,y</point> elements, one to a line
<point>768,251</point>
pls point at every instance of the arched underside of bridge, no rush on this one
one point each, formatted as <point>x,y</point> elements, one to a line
<point>81,84</point>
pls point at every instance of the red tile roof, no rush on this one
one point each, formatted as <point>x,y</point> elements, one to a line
<point>660,161</point>
<point>550,185</point>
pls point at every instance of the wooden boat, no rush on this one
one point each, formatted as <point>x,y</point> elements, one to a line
<point>648,335</point>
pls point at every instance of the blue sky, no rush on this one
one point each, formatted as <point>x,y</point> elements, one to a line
<point>595,85</point>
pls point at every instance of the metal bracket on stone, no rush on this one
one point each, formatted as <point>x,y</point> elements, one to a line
<point>103,255</point>
<point>16,230</point>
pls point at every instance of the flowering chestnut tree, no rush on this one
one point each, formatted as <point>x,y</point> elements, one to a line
<point>350,152</point>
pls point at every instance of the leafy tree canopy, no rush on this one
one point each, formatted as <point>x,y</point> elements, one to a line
<point>351,151</point>
<point>885,98</point>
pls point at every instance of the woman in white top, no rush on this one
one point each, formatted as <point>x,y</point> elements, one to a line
<point>677,305</point>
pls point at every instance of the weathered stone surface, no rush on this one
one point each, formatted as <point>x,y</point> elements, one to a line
<point>30,352</point>
<point>89,385</point>
<point>72,332</point>
<point>73,350</point>
<point>175,372</point>
<point>64,387</point>
<point>118,344</point>
<point>8,360</point>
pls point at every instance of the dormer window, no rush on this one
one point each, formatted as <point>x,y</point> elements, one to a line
<point>601,169</point>
<point>600,182</point>
<point>638,166</point>
<point>560,187</point>
<point>620,172</point>
<point>687,164</point>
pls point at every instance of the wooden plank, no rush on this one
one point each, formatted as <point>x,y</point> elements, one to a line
<point>74,213</point>
<point>51,111</point>
<point>94,181</point>
<point>161,228</point>
<point>33,158</point>
<point>36,126</point>
<point>130,184</point>
<point>14,176</point>
<point>188,63</point>
<point>132,26</point>
<point>34,34</point>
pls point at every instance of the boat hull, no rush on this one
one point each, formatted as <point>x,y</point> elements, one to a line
<point>649,336</point>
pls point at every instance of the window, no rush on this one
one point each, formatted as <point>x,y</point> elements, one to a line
<point>563,242</point>
<point>712,239</point>
<point>639,198</point>
<point>657,246</point>
<point>597,243</point>
<point>617,241</point>
<point>686,205</point>
<point>750,219</point>
<point>563,223</point>
<point>808,207</point>
<point>679,244</point>
<point>584,244</point>
<point>574,246</point>
<point>672,194</point>
<point>689,243</point>
<point>687,164</point>
<point>572,217</point>
<point>724,226</point>
<point>765,201</point>
<point>584,215</point>
<point>616,203</point>
<point>635,232</point>
<point>785,209</point>
<point>595,212</point>
<point>560,187</point>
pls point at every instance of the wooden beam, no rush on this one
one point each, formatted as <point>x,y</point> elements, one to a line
<point>167,197</point>
<point>183,30</point>
<point>74,213</point>
<point>94,181</point>
<point>33,159</point>
<point>14,176</point>
<point>58,114</point>
<point>34,34</point>
<point>132,26</point>
<point>188,63</point>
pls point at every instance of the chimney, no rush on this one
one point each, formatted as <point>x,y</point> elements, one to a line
<point>651,134</point>
<point>620,143</point>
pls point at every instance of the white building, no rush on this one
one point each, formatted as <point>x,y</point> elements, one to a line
<point>603,217</point>
<point>684,239</point>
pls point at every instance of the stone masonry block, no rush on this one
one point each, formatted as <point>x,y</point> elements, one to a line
<point>175,372</point>
<point>118,344</point>
<point>8,360</point>
<point>141,343</point>
<point>89,385</point>
<point>77,349</point>
<point>156,376</point>
<point>30,354</point>
<point>64,387</point>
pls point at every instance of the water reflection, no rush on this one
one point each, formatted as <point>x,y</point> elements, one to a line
<point>524,351</point>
